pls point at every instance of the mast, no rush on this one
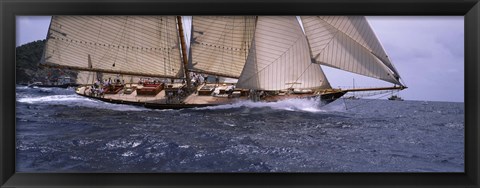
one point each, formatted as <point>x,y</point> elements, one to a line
<point>184,51</point>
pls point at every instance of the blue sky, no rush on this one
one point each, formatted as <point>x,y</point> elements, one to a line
<point>428,52</point>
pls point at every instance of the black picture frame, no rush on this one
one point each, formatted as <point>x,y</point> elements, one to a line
<point>9,9</point>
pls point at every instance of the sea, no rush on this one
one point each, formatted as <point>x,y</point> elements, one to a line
<point>59,131</point>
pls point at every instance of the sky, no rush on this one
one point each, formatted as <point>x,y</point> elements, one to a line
<point>428,52</point>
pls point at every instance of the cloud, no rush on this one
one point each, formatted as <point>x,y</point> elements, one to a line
<point>453,42</point>
<point>427,51</point>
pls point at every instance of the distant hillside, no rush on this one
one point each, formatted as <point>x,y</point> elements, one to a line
<point>28,57</point>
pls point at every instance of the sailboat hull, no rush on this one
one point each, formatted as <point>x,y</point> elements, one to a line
<point>159,102</point>
<point>330,97</point>
<point>148,104</point>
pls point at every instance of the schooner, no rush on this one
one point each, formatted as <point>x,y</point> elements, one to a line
<point>146,60</point>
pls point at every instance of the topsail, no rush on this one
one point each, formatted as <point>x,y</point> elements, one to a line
<point>220,44</point>
<point>348,43</point>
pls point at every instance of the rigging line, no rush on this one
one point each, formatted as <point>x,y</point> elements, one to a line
<point>357,42</point>
<point>301,74</point>
<point>231,40</point>
<point>367,94</point>
<point>121,33</point>
<point>128,40</point>
<point>98,36</point>
<point>165,23</point>
<point>223,37</point>
<point>159,33</point>
<point>274,61</point>
<point>328,43</point>
<point>135,40</point>
<point>107,55</point>
<point>370,101</point>
<point>174,64</point>
<point>223,33</point>
<point>368,49</point>
<point>367,71</point>
<point>56,42</point>
<point>208,22</point>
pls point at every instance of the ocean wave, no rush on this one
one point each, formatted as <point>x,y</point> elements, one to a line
<point>22,87</point>
<point>76,100</point>
<point>52,98</point>
<point>305,105</point>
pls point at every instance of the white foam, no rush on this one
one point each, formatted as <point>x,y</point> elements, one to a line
<point>22,87</point>
<point>43,88</point>
<point>52,98</point>
<point>306,105</point>
<point>128,154</point>
<point>76,100</point>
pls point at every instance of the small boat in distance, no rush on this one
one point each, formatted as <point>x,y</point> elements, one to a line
<point>395,98</point>
<point>352,97</point>
<point>269,58</point>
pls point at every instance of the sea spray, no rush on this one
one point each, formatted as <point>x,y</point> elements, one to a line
<point>305,105</point>
<point>79,101</point>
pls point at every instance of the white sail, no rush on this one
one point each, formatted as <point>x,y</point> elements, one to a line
<point>85,77</point>
<point>220,44</point>
<point>348,43</point>
<point>280,58</point>
<point>136,45</point>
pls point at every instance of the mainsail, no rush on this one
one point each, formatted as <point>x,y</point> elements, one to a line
<point>220,44</point>
<point>348,43</point>
<point>280,58</point>
<point>134,45</point>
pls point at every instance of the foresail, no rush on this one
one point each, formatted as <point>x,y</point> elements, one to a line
<point>220,44</point>
<point>280,58</point>
<point>132,45</point>
<point>348,43</point>
<point>86,77</point>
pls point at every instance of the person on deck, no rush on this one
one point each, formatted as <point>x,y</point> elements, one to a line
<point>194,81</point>
<point>180,92</point>
<point>96,84</point>
<point>230,89</point>
<point>205,77</point>
<point>200,79</point>
<point>101,92</point>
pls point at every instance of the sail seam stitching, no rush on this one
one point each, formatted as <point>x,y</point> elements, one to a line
<point>274,61</point>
